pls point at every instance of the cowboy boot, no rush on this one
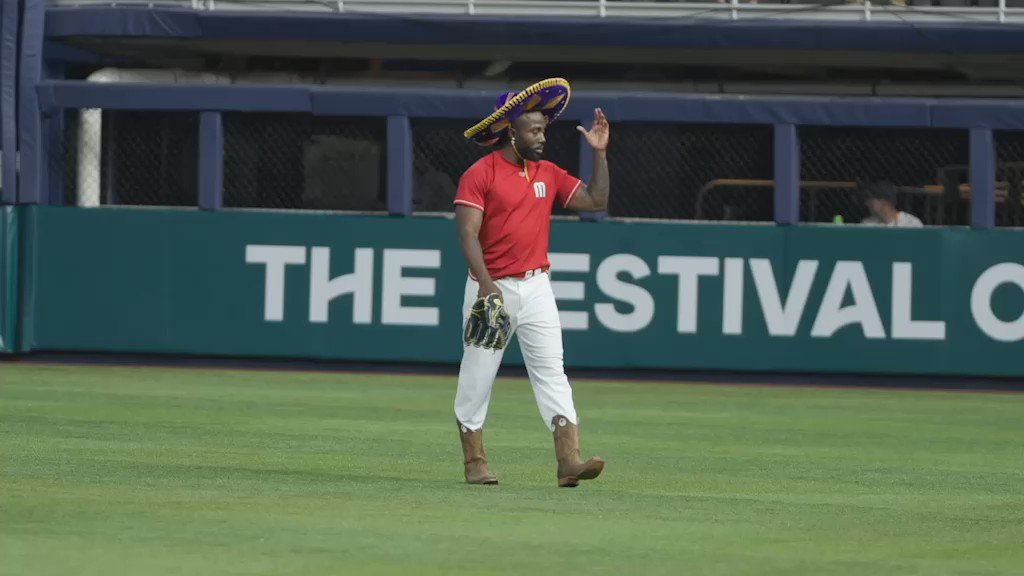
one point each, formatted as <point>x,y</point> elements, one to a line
<point>474,457</point>
<point>567,450</point>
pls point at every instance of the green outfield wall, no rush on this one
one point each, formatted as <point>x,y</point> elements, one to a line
<point>634,295</point>
<point>8,277</point>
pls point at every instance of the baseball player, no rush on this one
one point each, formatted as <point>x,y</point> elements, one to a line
<point>503,211</point>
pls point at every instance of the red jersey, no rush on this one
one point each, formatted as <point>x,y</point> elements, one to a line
<point>517,212</point>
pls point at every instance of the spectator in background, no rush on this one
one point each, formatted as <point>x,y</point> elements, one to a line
<point>433,190</point>
<point>880,198</point>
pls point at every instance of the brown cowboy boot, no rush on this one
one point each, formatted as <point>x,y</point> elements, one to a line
<point>474,457</point>
<point>567,449</point>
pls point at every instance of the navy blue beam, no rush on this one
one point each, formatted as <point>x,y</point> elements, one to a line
<point>1002,114</point>
<point>586,171</point>
<point>56,95</point>
<point>543,30</point>
<point>32,137</point>
<point>399,166</point>
<point>211,161</point>
<point>431,103</point>
<point>9,100</point>
<point>470,104</point>
<point>983,178</point>
<point>787,174</point>
<point>586,160</point>
<point>131,21</point>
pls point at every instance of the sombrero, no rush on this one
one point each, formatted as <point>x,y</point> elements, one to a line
<point>549,96</point>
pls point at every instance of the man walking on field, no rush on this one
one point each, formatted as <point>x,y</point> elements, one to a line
<point>503,211</point>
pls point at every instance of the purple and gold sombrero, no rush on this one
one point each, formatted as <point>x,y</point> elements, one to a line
<point>549,96</point>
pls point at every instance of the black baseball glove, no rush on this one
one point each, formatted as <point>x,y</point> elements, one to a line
<point>488,325</point>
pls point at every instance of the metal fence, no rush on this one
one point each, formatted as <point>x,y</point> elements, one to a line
<point>282,161</point>
<point>691,172</point>
<point>658,170</point>
<point>129,157</point>
<point>928,167</point>
<point>1009,178</point>
<point>63,159</point>
<point>301,161</point>
<point>441,154</point>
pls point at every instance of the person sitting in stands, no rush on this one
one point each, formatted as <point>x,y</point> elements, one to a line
<point>880,198</point>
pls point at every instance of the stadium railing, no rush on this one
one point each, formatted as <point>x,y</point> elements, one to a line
<point>847,10</point>
<point>664,142</point>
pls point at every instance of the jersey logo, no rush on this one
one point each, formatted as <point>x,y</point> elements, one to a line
<point>540,189</point>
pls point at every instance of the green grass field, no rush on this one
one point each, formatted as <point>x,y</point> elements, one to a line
<point>176,471</point>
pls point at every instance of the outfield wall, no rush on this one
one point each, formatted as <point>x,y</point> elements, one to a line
<point>636,295</point>
<point>8,277</point>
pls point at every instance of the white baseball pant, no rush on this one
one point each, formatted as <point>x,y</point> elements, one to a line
<point>530,303</point>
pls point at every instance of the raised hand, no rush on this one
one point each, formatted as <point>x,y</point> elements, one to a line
<point>598,134</point>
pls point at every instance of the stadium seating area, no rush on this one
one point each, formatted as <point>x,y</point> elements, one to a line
<point>708,151</point>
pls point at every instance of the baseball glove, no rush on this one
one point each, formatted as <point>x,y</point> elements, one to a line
<point>488,325</point>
